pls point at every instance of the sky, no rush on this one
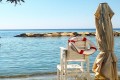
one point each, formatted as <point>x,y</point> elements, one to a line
<point>54,14</point>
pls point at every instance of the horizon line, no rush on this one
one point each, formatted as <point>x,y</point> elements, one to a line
<point>50,28</point>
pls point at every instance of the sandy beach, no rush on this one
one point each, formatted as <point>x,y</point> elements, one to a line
<point>43,77</point>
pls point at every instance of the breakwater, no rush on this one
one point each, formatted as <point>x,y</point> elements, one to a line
<point>58,34</point>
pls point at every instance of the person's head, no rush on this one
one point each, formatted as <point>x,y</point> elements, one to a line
<point>75,34</point>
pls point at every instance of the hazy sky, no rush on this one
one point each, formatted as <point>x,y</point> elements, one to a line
<point>50,14</point>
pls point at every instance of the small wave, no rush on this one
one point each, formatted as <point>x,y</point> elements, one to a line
<point>30,75</point>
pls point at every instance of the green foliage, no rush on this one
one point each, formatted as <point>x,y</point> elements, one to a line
<point>14,1</point>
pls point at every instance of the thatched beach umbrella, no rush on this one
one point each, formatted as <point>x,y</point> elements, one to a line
<point>105,65</point>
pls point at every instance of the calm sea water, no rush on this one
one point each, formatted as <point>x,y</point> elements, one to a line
<point>32,56</point>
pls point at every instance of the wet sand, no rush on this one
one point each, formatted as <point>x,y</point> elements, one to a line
<point>43,77</point>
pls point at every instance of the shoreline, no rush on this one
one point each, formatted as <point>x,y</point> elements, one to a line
<point>45,77</point>
<point>28,75</point>
<point>40,77</point>
<point>51,76</point>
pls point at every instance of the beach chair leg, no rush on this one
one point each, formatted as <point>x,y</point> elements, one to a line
<point>88,76</point>
<point>64,77</point>
<point>61,77</point>
<point>58,74</point>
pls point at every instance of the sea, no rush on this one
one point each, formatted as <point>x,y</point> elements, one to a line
<point>30,56</point>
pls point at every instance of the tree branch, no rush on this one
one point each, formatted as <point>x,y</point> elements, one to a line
<point>14,1</point>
